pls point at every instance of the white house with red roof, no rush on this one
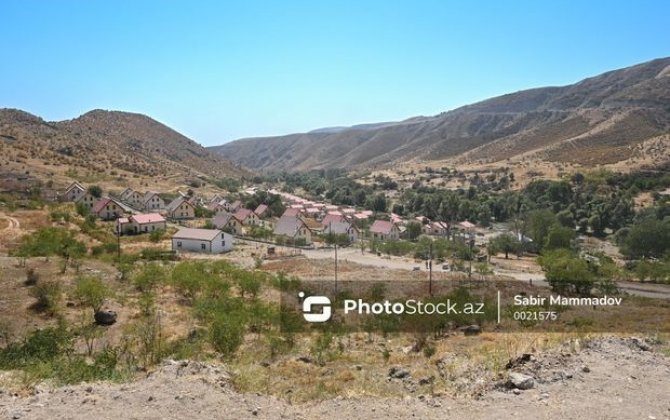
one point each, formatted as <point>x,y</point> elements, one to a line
<point>74,191</point>
<point>261,211</point>
<point>246,217</point>
<point>141,223</point>
<point>384,230</point>
<point>108,209</point>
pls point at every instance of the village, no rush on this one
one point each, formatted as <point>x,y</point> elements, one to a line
<point>212,224</point>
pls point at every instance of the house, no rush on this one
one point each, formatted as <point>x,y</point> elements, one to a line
<point>269,222</point>
<point>74,191</point>
<point>227,222</point>
<point>261,211</point>
<point>210,241</point>
<point>435,228</point>
<point>332,218</point>
<point>342,228</point>
<point>234,206</point>
<point>247,217</point>
<point>218,207</point>
<point>180,209</point>
<point>141,223</point>
<point>291,212</point>
<point>132,197</point>
<point>314,225</point>
<point>87,199</point>
<point>108,209</point>
<point>384,230</point>
<point>152,201</point>
<point>293,230</point>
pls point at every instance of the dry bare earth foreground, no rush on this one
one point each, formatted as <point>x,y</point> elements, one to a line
<point>606,378</point>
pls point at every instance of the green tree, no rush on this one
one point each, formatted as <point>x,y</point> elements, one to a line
<point>95,191</point>
<point>92,292</point>
<point>567,273</point>
<point>559,237</point>
<point>649,238</point>
<point>507,243</point>
<point>413,230</point>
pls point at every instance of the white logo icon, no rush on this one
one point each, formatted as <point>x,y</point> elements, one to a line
<point>310,301</point>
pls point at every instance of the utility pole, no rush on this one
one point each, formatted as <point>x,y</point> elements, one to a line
<point>430,271</point>
<point>472,242</point>
<point>118,240</point>
<point>335,268</point>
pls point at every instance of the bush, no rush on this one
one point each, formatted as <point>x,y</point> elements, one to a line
<point>226,334</point>
<point>48,294</point>
<point>91,292</point>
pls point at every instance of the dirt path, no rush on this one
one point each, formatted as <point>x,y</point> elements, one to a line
<point>13,222</point>
<point>611,378</point>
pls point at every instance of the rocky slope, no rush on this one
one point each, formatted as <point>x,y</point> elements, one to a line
<point>108,140</point>
<point>604,378</point>
<point>602,117</point>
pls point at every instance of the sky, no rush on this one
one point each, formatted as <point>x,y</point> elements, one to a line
<point>218,70</point>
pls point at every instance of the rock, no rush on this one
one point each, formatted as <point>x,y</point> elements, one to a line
<point>471,330</point>
<point>586,369</point>
<point>305,359</point>
<point>358,367</point>
<point>89,389</point>
<point>255,411</point>
<point>521,381</point>
<point>641,344</point>
<point>516,391</point>
<point>398,373</point>
<point>426,380</point>
<point>105,317</point>
<point>524,358</point>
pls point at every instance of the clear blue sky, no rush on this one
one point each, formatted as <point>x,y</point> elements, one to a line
<point>218,71</point>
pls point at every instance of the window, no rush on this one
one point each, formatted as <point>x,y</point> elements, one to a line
<point>178,244</point>
<point>223,244</point>
<point>203,246</point>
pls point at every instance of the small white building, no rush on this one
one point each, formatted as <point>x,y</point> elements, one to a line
<point>210,241</point>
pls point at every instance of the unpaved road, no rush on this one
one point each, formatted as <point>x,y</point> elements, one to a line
<point>611,378</point>
<point>659,291</point>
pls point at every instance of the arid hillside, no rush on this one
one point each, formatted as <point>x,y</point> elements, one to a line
<point>106,141</point>
<point>600,120</point>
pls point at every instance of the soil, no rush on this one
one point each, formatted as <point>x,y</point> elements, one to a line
<point>603,378</point>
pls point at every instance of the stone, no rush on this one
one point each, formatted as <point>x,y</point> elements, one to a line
<point>398,373</point>
<point>521,381</point>
<point>105,317</point>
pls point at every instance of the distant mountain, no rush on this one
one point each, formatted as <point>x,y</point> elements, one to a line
<point>599,120</point>
<point>110,140</point>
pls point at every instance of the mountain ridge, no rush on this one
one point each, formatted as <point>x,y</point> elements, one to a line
<point>601,115</point>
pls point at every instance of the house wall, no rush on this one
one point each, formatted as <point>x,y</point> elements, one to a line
<point>74,193</point>
<point>154,203</point>
<point>184,211</point>
<point>222,243</point>
<point>147,227</point>
<point>110,212</point>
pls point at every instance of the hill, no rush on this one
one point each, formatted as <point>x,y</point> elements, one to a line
<point>105,143</point>
<point>601,120</point>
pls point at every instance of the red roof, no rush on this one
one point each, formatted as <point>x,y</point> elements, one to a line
<point>332,218</point>
<point>99,205</point>
<point>242,214</point>
<point>148,218</point>
<point>262,208</point>
<point>382,226</point>
<point>291,212</point>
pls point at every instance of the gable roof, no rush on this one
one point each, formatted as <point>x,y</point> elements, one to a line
<point>332,218</point>
<point>174,204</point>
<point>221,220</point>
<point>75,184</point>
<point>147,218</point>
<point>339,228</point>
<point>147,196</point>
<point>289,226</point>
<point>262,208</point>
<point>242,214</point>
<point>382,226</point>
<point>291,212</point>
<point>127,192</point>
<point>197,234</point>
<point>100,204</point>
